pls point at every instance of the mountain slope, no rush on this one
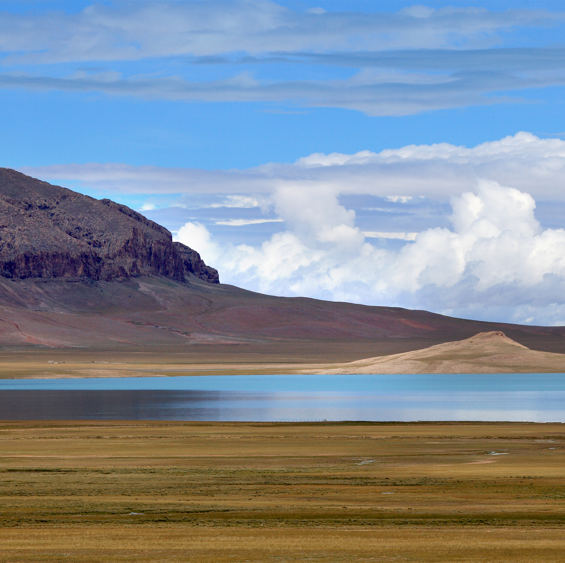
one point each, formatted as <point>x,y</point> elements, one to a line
<point>51,232</point>
<point>208,322</point>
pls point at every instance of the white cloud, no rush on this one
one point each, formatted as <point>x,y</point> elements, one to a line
<point>524,161</point>
<point>244,222</point>
<point>366,92</point>
<point>240,202</point>
<point>418,59</point>
<point>197,237</point>
<point>495,261</point>
<point>387,235</point>
<point>316,11</point>
<point>148,206</point>
<point>418,11</point>
<point>495,257</point>
<point>372,92</point>
<point>130,179</point>
<point>505,59</point>
<point>138,30</point>
<point>398,198</point>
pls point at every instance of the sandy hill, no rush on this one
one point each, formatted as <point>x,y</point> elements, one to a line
<point>486,352</point>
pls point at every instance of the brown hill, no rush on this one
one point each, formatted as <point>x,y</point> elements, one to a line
<point>166,321</point>
<point>486,352</point>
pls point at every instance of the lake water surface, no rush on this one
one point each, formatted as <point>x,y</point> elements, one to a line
<point>486,397</point>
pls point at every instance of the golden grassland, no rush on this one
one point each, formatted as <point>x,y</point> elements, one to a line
<point>168,491</point>
<point>60,363</point>
<point>71,364</point>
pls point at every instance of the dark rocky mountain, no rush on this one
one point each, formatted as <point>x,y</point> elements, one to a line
<point>51,232</point>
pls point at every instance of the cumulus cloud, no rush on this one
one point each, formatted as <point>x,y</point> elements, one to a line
<point>495,257</point>
<point>492,260</point>
<point>200,240</point>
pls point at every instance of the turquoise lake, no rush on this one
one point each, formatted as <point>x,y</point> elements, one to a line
<point>482,397</point>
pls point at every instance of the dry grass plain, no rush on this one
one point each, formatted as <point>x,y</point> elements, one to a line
<point>487,352</point>
<point>219,492</point>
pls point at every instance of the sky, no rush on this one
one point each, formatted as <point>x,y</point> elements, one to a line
<point>378,152</point>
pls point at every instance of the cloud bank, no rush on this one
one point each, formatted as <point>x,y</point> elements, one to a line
<point>523,161</point>
<point>495,260</point>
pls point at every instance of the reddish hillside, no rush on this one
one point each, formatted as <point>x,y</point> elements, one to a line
<point>201,319</point>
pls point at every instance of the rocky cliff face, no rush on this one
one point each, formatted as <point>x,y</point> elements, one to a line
<point>195,265</point>
<point>51,232</point>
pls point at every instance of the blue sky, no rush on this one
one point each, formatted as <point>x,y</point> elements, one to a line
<point>382,152</point>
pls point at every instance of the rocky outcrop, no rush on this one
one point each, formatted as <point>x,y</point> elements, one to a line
<point>51,232</point>
<point>195,265</point>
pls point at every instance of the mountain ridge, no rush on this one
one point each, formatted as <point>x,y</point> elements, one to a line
<point>51,232</point>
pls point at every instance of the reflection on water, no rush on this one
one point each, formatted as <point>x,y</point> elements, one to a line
<point>524,397</point>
